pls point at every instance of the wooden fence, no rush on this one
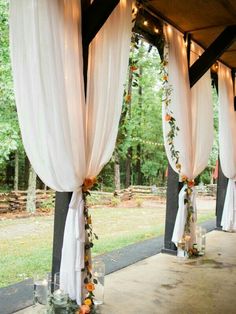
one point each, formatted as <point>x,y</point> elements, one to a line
<point>16,200</point>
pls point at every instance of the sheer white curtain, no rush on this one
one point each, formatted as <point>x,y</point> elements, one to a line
<point>227,145</point>
<point>66,138</point>
<point>193,112</point>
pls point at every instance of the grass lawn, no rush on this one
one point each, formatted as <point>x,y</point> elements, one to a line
<point>26,244</point>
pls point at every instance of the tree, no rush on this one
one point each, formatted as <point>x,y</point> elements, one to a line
<point>140,130</point>
<point>12,154</point>
<point>10,141</point>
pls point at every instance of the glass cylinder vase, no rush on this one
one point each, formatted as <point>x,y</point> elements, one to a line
<point>99,277</point>
<point>201,240</point>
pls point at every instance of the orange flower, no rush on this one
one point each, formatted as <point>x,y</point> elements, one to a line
<point>84,309</point>
<point>191,183</point>
<point>90,286</point>
<point>87,302</point>
<point>168,117</point>
<point>128,98</point>
<point>184,178</point>
<point>165,78</point>
<point>88,183</point>
<point>89,220</point>
<point>133,68</point>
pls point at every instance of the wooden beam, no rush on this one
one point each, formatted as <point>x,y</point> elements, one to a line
<point>153,33</point>
<point>94,18</point>
<point>212,53</point>
<point>85,5</point>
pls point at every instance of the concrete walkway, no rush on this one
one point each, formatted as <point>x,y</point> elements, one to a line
<point>164,284</point>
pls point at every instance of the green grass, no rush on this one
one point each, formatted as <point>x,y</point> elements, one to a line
<point>26,244</point>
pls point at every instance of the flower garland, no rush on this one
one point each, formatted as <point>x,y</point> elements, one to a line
<point>175,154</point>
<point>89,282</point>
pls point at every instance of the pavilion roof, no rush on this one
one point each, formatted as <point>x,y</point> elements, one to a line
<point>205,20</point>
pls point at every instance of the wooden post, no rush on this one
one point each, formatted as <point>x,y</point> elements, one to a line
<point>61,209</point>
<point>173,188</point>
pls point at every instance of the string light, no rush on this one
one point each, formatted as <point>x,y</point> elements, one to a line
<point>145,23</point>
<point>135,10</point>
<point>156,30</point>
<point>215,67</point>
<point>169,29</point>
<point>138,139</point>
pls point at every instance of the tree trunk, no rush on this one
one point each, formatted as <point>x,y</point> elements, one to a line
<point>10,171</point>
<point>128,167</point>
<point>16,174</point>
<point>26,172</point>
<point>138,166</point>
<point>129,151</point>
<point>117,170</point>
<point>31,195</point>
<point>140,100</point>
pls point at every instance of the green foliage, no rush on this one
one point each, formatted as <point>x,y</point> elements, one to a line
<point>141,123</point>
<point>9,128</point>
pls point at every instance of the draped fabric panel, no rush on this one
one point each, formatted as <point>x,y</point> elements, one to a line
<point>227,145</point>
<point>108,62</point>
<point>49,88</point>
<point>193,112</point>
<point>67,138</point>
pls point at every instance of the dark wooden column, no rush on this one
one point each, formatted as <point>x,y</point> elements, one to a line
<point>61,209</point>
<point>173,188</point>
<point>222,183</point>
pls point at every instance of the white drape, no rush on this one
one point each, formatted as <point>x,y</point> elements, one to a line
<point>227,145</point>
<point>66,138</point>
<point>193,112</point>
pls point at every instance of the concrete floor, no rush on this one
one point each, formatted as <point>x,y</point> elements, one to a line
<point>165,284</point>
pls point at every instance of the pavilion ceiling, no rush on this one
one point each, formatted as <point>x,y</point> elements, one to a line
<point>205,20</point>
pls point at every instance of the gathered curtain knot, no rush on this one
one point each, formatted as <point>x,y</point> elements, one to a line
<point>88,183</point>
<point>189,182</point>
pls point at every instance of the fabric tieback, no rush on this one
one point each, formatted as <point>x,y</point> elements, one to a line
<point>181,217</point>
<point>228,220</point>
<point>77,205</point>
<point>73,248</point>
